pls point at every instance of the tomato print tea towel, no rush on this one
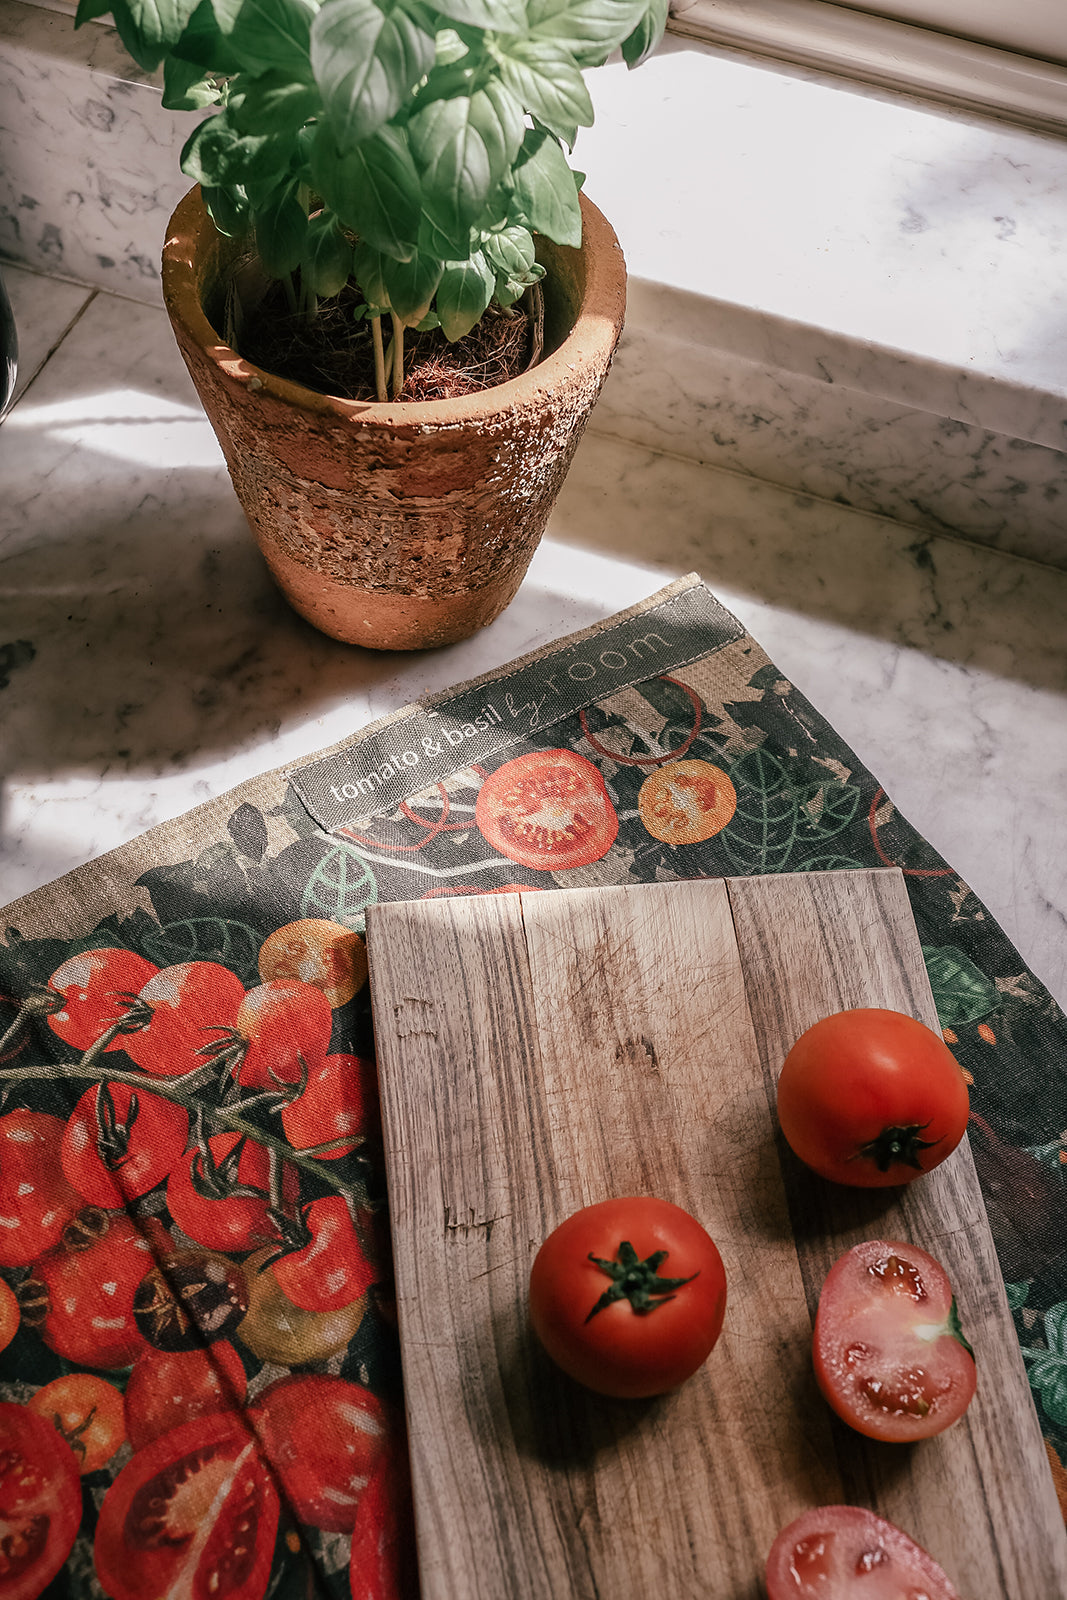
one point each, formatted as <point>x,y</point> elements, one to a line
<point>200,1388</point>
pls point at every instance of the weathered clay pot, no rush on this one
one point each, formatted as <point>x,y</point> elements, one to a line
<point>405,525</point>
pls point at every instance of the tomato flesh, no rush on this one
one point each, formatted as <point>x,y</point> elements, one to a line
<point>619,1349</point>
<point>40,1502</point>
<point>194,1514</point>
<point>889,1355</point>
<point>549,810</point>
<point>848,1553</point>
<point>871,1098</point>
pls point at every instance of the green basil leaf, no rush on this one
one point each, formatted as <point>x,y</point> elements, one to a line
<point>210,155</point>
<point>647,35</point>
<point>203,44</point>
<point>374,189</point>
<point>589,30</point>
<point>545,192</point>
<point>275,103</point>
<point>544,79</point>
<point>228,209</point>
<point>465,289</point>
<point>367,61</point>
<point>502,16</point>
<point>404,287</point>
<point>327,260</point>
<point>269,33</point>
<point>89,10</point>
<point>281,230</point>
<point>464,146</point>
<point>150,28</point>
<point>187,87</point>
<point>510,251</point>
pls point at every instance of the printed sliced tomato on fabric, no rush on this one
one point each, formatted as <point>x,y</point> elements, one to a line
<point>332,957</point>
<point>847,1553</point>
<point>549,810</point>
<point>98,988</point>
<point>40,1502</point>
<point>193,1516</point>
<point>628,1296</point>
<point>686,802</point>
<point>871,1098</point>
<point>890,1356</point>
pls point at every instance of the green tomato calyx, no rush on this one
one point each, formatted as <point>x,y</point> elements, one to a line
<point>897,1146</point>
<point>636,1280</point>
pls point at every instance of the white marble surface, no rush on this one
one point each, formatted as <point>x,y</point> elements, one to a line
<point>166,668</point>
<point>44,310</point>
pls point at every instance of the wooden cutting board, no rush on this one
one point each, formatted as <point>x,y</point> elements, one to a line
<point>541,1051</point>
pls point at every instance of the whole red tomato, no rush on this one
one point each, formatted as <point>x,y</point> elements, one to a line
<point>88,1412</point>
<point>169,1387</point>
<point>36,1201</point>
<point>9,1315</point>
<point>120,1142</point>
<point>324,1437</point>
<point>890,1356</point>
<point>871,1098</point>
<point>338,1107</point>
<point>331,1269</point>
<point>195,1513</point>
<point>826,1552</point>
<point>80,1295</point>
<point>279,1024</point>
<point>549,810</point>
<point>223,1203</point>
<point>188,1006</point>
<point>628,1296</point>
<point>40,1502</point>
<point>98,988</point>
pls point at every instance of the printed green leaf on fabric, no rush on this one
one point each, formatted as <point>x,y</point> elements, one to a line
<point>367,59</point>
<point>825,809</point>
<point>545,191</point>
<point>374,189</point>
<point>962,993</point>
<point>232,944</point>
<point>340,889</point>
<point>1047,1369</point>
<point>1017,1294</point>
<point>763,831</point>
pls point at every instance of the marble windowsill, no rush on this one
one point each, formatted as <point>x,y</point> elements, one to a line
<point>850,293</point>
<point>163,667</point>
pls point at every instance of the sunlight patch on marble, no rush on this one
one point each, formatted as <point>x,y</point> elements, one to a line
<point>126,425</point>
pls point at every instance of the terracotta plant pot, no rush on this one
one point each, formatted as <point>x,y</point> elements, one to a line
<point>407,525</point>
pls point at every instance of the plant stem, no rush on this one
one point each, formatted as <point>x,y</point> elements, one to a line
<point>290,292</point>
<point>379,358</point>
<point>398,355</point>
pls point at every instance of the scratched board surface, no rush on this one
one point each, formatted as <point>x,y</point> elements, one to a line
<point>540,1052</point>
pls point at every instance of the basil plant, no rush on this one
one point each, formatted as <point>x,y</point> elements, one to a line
<point>415,147</point>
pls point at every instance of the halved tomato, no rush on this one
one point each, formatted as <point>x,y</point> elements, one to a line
<point>890,1356</point>
<point>548,810</point>
<point>845,1553</point>
<point>40,1502</point>
<point>193,1516</point>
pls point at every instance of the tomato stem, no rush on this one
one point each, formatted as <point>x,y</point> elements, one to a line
<point>636,1281</point>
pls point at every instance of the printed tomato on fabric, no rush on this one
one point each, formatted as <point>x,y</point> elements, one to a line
<point>549,810</point>
<point>36,1201</point>
<point>98,988</point>
<point>628,1296</point>
<point>871,1098</point>
<point>848,1553</point>
<point>40,1502</point>
<point>193,1514</point>
<point>890,1355</point>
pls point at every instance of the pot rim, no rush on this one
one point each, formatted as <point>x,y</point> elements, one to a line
<point>591,341</point>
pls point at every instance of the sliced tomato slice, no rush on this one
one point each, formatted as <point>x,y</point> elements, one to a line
<point>193,1516</point>
<point>40,1502</point>
<point>890,1355</point>
<point>847,1553</point>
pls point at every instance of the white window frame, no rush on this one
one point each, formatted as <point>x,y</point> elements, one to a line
<point>889,53</point>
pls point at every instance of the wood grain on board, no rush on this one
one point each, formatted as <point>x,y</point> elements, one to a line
<point>541,1051</point>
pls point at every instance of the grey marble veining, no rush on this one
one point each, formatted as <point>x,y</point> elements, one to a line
<point>88,157</point>
<point>163,667</point>
<point>43,309</point>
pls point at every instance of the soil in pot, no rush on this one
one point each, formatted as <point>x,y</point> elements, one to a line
<point>332,352</point>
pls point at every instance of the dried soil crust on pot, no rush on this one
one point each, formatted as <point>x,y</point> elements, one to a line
<point>399,526</point>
